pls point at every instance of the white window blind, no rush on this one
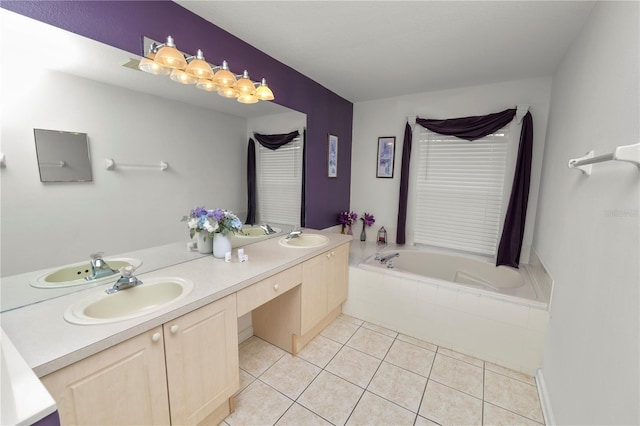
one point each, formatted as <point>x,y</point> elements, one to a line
<point>279,183</point>
<point>460,191</point>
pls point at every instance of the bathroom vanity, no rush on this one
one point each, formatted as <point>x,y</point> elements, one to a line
<point>179,365</point>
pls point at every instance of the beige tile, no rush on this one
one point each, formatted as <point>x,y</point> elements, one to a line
<point>290,375</point>
<point>320,351</point>
<point>354,366</point>
<point>513,395</point>
<point>331,397</point>
<point>340,330</point>
<point>256,355</point>
<point>258,404</point>
<point>500,417</point>
<point>448,406</point>
<point>458,375</point>
<point>245,380</point>
<point>373,410</point>
<point>510,373</point>
<point>351,319</point>
<point>421,421</point>
<point>417,342</point>
<point>410,357</point>
<point>370,342</point>
<point>399,386</point>
<point>462,357</point>
<point>380,329</point>
<point>297,415</point>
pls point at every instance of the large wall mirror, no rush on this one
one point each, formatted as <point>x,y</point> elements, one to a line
<point>135,118</point>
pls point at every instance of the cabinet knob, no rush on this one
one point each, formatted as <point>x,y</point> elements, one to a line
<point>174,328</point>
<point>275,287</point>
<point>328,255</point>
<point>156,337</point>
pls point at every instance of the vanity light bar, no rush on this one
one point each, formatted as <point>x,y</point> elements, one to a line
<point>181,73</point>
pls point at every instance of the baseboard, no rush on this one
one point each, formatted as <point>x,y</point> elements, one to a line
<point>545,401</point>
<point>245,334</point>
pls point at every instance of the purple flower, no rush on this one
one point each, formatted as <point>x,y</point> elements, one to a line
<point>368,219</point>
<point>219,214</point>
<point>198,211</point>
<point>347,218</point>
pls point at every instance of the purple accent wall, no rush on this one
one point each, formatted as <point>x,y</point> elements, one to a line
<point>123,24</point>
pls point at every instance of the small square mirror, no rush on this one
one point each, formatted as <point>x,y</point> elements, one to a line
<point>63,156</point>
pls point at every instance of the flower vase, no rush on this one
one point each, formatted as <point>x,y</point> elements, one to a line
<point>221,245</point>
<point>363,233</point>
<point>342,230</point>
<point>205,242</point>
<point>349,231</point>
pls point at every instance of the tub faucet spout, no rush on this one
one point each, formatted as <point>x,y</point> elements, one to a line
<point>386,258</point>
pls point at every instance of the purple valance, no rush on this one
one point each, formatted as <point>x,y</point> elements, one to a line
<point>472,128</point>
<point>274,142</point>
<point>469,128</point>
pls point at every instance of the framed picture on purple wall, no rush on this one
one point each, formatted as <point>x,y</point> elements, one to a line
<point>333,156</point>
<point>386,156</point>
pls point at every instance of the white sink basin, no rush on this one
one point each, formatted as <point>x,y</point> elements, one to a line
<point>305,241</point>
<point>73,275</point>
<point>152,295</point>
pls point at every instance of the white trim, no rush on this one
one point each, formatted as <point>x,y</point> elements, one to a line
<point>245,334</point>
<point>545,401</point>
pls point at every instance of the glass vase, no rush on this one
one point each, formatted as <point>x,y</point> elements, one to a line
<point>221,245</point>
<point>205,242</point>
<point>363,233</point>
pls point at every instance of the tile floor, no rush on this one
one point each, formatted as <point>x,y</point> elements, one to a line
<point>357,373</point>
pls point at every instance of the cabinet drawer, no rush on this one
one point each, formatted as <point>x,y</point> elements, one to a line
<point>261,292</point>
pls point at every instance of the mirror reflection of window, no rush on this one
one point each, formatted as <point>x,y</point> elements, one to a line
<point>63,156</point>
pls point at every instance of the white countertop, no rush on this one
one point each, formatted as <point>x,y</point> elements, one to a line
<point>47,342</point>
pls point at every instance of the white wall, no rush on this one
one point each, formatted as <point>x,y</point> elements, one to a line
<point>587,233</point>
<point>387,117</point>
<point>53,224</point>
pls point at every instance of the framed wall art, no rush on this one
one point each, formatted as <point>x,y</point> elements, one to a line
<point>333,156</point>
<point>386,156</point>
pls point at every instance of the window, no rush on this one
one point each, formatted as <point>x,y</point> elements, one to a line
<point>460,191</point>
<point>279,183</point>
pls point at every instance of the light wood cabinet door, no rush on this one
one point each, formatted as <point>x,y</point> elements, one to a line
<point>123,385</point>
<point>201,350</point>
<point>314,291</point>
<point>338,277</point>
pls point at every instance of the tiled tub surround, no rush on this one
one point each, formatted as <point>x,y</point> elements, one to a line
<point>358,373</point>
<point>497,327</point>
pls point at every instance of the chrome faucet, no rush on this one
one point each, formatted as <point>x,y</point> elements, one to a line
<point>127,280</point>
<point>267,229</point>
<point>386,258</point>
<point>99,268</point>
<point>295,233</point>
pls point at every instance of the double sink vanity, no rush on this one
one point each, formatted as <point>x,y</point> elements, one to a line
<point>166,351</point>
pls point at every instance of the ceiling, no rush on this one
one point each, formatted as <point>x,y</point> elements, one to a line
<point>366,50</point>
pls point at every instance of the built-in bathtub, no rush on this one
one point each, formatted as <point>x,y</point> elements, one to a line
<point>464,303</point>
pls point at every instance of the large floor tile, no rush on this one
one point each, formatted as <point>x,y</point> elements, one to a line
<point>258,404</point>
<point>447,406</point>
<point>351,319</point>
<point>381,330</point>
<point>370,342</point>
<point>245,380</point>
<point>513,395</point>
<point>354,366</point>
<point>462,357</point>
<point>411,357</point>
<point>331,397</point>
<point>320,351</point>
<point>399,386</point>
<point>496,416</point>
<point>417,342</point>
<point>458,375</point>
<point>340,330</point>
<point>510,373</point>
<point>290,375</point>
<point>256,355</point>
<point>297,415</point>
<point>373,410</point>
